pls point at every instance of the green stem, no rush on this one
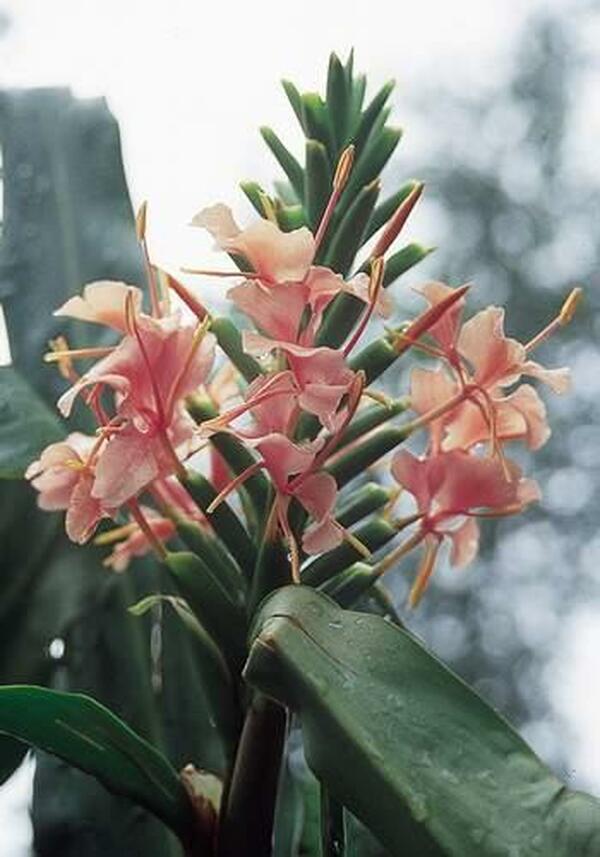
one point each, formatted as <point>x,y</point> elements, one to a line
<point>247,817</point>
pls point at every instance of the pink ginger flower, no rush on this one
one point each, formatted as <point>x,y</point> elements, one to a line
<point>150,372</point>
<point>284,282</point>
<point>482,363</point>
<point>64,476</point>
<point>289,466</point>
<point>321,375</point>
<point>450,489</point>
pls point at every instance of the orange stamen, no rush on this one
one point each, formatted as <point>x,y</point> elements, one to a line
<point>187,297</point>
<point>58,355</point>
<point>563,318</point>
<point>340,178</point>
<point>234,485</point>
<point>375,286</point>
<point>140,228</point>
<point>398,219</point>
<point>424,573</point>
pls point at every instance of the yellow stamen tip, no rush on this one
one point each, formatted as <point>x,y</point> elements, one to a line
<point>570,305</point>
<point>343,169</point>
<point>140,221</point>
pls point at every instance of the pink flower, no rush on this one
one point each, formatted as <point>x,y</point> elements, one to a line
<point>276,256</point>
<point>450,489</point>
<point>285,461</point>
<point>482,362</point>
<point>321,374</point>
<point>103,302</point>
<point>64,476</point>
<point>150,373</point>
<point>286,282</point>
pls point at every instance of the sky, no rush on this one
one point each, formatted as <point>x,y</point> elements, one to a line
<point>190,83</point>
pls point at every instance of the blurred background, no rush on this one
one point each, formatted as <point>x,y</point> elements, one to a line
<point>499,102</point>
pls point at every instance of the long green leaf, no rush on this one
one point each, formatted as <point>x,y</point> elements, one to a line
<point>401,741</point>
<point>286,160</point>
<point>87,735</point>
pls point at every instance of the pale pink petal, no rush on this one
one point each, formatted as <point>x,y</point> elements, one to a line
<point>411,473</point>
<point>429,389</point>
<point>103,302</point>
<point>274,414</point>
<point>283,458</point>
<point>323,400</point>
<point>444,331</point>
<point>559,380</point>
<point>465,543</point>
<point>218,220</point>
<point>467,426</point>
<point>359,287</point>
<point>521,415</point>
<point>57,471</point>
<point>495,359</point>
<point>84,512</point>
<point>126,465</point>
<point>317,493</point>
<point>276,310</point>
<point>275,255</point>
<point>321,537</point>
<point>471,482</point>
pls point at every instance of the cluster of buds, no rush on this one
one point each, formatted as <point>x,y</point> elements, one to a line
<point>294,407</point>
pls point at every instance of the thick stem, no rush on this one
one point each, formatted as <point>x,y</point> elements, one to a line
<point>246,825</point>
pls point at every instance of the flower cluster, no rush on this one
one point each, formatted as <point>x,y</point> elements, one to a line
<point>293,414</point>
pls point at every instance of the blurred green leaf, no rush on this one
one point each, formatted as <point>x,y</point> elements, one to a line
<point>27,424</point>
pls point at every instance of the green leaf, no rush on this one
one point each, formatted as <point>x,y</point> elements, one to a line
<point>374,535</point>
<point>230,340</point>
<point>237,456</point>
<point>317,124</point>
<point>371,162</point>
<point>214,606</point>
<point>403,260</point>
<point>255,195</point>
<point>27,424</point>
<point>338,99</point>
<point>290,217</point>
<point>295,100</point>
<point>89,736</point>
<point>363,502</point>
<point>370,450</point>
<point>402,742</point>
<point>371,417</point>
<point>371,114</point>
<point>217,684</point>
<point>317,182</point>
<point>374,358</point>
<point>349,235</point>
<point>286,160</point>
<point>224,522</point>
